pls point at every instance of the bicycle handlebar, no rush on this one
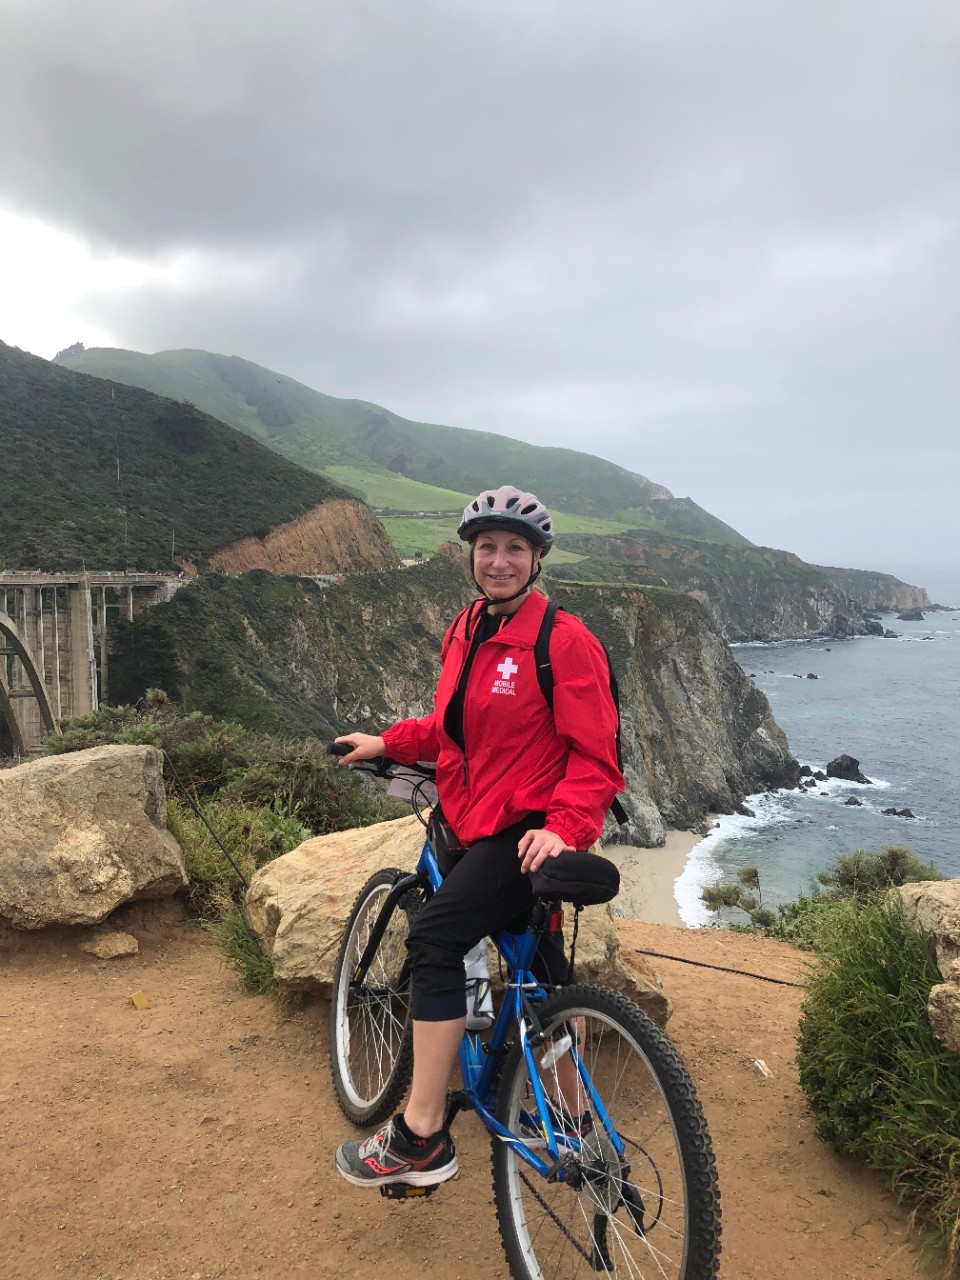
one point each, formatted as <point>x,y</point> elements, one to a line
<point>382,766</point>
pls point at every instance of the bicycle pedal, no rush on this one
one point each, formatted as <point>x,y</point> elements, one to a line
<point>404,1191</point>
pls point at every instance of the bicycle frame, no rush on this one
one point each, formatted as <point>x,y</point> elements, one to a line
<point>479,1060</point>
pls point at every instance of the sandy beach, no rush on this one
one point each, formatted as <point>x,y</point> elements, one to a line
<point>647,877</point>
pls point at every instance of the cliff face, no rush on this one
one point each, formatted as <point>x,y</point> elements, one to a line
<point>337,536</point>
<point>877,590</point>
<point>285,654</point>
<point>752,593</point>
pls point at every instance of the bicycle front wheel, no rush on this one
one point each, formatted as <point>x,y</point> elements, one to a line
<point>637,1196</point>
<point>371,1036</point>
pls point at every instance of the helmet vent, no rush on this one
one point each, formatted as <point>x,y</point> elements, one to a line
<point>528,509</point>
<point>490,500</point>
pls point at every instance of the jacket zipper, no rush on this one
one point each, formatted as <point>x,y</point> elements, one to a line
<point>468,644</point>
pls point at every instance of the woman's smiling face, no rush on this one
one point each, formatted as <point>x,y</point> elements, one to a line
<point>503,563</point>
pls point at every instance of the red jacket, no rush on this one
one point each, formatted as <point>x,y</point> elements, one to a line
<point>520,757</point>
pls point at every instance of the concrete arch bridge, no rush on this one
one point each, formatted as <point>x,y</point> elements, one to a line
<point>53,645</point>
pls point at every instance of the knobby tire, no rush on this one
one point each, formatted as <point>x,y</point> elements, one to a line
<point>371,1032</point>
<point>652,1213</point>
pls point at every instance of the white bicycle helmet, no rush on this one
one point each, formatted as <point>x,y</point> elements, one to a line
<point>511,509</point>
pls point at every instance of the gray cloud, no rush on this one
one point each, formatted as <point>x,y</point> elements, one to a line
<point>716,243</point>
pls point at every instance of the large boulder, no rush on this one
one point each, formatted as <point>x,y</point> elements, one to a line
<point>298,905</point>
<point>846,767</point>
<point>934,907</point>
<point>82,833</point>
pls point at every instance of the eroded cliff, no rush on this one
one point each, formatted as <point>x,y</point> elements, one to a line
<point>877,590</point>
<point>337,536</point>
<point>285,654</point>
<point>752,593</point>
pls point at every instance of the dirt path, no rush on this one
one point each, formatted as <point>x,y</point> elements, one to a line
<point>194,1139</point>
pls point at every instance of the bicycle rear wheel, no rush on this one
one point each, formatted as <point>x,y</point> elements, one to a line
<point>371,1040</point>
<point>652,1211</point>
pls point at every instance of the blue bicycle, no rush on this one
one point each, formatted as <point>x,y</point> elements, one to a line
<point>601,1156</point>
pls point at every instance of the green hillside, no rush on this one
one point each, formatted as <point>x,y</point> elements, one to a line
<point>373,444</point>
<point>113,475</point>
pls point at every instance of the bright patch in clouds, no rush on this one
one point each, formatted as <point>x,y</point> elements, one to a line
<point>49,277</point>
<point>55,286</point>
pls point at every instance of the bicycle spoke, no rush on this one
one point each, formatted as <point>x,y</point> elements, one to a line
<point>622,1207</point>
<point>370,1020</point>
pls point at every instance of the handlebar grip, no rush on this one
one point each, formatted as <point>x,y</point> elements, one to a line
<point>339,749</point>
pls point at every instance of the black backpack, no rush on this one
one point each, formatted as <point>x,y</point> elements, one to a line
<point>541,653</point>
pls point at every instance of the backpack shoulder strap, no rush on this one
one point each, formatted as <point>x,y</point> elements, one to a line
<point>541,654</point>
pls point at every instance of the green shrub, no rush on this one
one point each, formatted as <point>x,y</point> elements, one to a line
<point>861,874</point>
<point>243,950</point>
<point>257,797</point>
<point>881,1086</point>
<point>252,837</point>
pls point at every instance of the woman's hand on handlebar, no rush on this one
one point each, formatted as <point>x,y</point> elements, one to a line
<point>366,746</point>
<point>538,845</point>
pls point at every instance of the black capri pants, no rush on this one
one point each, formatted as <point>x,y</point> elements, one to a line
<point>483,892</point>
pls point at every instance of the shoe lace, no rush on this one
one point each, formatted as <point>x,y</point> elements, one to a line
<point>379,1143</point>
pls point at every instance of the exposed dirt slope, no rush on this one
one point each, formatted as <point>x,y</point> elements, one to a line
<point>194,1139</point>
<point>336,536</point>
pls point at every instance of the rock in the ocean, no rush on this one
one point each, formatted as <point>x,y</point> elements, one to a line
<point>852,800</point>
<point>847,768</point>
<point>911,615</point>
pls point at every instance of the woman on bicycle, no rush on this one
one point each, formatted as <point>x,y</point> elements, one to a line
<point>518,783</point>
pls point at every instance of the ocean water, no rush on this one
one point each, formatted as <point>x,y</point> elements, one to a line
<point>895,706</point>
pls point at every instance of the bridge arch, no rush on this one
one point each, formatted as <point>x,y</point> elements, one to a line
<point>11,641</point>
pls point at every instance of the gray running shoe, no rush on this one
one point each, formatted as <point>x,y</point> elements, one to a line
<point>389,1157</point>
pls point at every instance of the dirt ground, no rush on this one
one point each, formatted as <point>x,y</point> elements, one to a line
<point>194,1139</point>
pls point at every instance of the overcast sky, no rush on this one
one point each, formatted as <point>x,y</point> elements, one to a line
<point>715,242</point>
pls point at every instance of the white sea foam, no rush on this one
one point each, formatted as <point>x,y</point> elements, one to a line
<point>770,809</point>
<point>703,868</point>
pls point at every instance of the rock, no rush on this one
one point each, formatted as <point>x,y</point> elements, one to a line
<point>820,776</point>
<point>943,1010</point>
<point>889,813</point>
<point>80,834</point>
<point>811,676</point>
<point>806,771</point>
<point>891,635</point>
<point>298,905</point>
<point>934,907</point>
<point>905,813</point>
<point>911,615</point>
<point>846,767</point>
<point>745,811</point>
<point>111,945</point>
<point>873,628</point>
<point>854,801</point>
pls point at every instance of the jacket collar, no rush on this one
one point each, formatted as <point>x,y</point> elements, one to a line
<point>524,626</point>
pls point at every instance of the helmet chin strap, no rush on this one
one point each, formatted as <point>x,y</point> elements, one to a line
<point>505,599</point>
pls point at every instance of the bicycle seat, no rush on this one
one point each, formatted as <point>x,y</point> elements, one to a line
<point>583,879</point>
